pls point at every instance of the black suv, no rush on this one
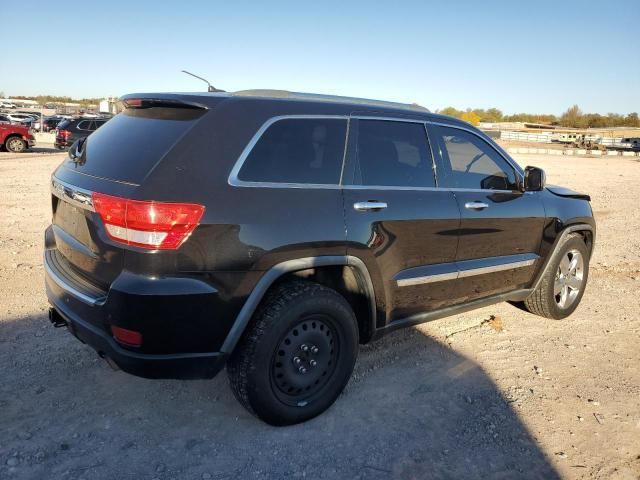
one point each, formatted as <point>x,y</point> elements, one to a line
<point>273,232</point>
<point>68,131</point>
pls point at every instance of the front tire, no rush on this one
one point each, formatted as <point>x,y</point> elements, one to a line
<point>296,355</point>
<point>563,284</point>
<point>15,145</point>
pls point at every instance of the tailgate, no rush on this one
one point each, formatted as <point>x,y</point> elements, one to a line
<point>76,228</point>
<point>114,160</point>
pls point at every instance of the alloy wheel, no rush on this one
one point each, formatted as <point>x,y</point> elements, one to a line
<point>15,145</point>
<point>569,279</point>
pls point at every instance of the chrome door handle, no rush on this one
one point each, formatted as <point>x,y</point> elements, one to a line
<point>476,205</point>
<point>368,206</point>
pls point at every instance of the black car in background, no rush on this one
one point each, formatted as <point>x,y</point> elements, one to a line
<point>274,232</point>
<point>50,123</point>
<point>68,131</point>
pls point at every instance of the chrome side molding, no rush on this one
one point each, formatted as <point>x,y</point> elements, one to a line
<point>495,268</point>
<point>437,277</point>
<point>463,269</point>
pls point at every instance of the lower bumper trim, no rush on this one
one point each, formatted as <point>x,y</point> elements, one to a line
<point>178,365</point>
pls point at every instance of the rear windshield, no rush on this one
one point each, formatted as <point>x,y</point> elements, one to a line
<point>127,147</point>
<point>64,123</point>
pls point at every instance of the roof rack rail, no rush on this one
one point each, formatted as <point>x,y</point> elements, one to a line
<point>285,94</point>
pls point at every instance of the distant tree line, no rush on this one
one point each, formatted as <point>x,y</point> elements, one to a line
<point>573,117</point>
<point>42,99</point>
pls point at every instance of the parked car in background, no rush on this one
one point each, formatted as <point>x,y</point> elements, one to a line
<point>274,232</point>
<point>29,112</point>
<point>7,105</point>
<point>28,122</point>
<point>631,142</point>
<point>68,131</point>
<point>15,138</point>
<point>50,123</point>
<point>20,117</point>
<point>9,118</point>
<point>36,119</point>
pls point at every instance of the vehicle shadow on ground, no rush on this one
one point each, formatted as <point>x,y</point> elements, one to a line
<point>414,409</point>
<point>44,149</point>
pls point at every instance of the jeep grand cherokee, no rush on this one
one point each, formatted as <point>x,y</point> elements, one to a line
<point>274,232</point>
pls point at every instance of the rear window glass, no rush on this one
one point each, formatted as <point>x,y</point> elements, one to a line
<point>300,150</point>
<point>393,153</point>
<point>64,123</point>
<point>128,146</point>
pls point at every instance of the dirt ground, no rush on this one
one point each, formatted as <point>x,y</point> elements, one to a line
<point>494,393</point>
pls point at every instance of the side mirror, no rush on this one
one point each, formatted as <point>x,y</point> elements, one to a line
<point>534,179</point>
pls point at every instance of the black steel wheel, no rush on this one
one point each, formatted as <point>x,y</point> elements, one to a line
<point>296,355</point>
<point>305,360</point>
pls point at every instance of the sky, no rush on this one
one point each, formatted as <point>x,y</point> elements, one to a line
<point>535,56</point>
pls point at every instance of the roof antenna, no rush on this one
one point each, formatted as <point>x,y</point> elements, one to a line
<point>210,87</point>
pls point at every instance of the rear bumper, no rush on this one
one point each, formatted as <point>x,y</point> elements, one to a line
<point>181,365</point>
<point>176,317</point>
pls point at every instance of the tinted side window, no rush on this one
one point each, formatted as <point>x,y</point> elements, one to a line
<point>83,125</point>
<point>467,161</point>
<point>298,150</point>
<point>391,153</point>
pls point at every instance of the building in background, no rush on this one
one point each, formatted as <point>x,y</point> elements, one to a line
<point>109,105</point>
<point>22,103</point>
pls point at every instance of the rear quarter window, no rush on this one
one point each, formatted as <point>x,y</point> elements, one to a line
<point>297,150</point>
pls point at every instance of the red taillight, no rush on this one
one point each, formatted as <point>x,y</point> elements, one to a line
<point>63,133</point>
<point>127,337</point>
<point>133,102</point>
<point>147,224</point>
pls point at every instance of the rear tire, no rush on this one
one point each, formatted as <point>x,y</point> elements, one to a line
<point>15,144</point>
<point>296,355</point>
<point>564,282</point>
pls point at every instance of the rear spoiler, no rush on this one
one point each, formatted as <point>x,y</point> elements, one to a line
<point>133,102</point>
